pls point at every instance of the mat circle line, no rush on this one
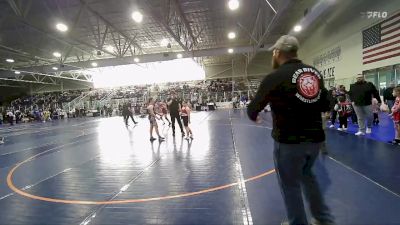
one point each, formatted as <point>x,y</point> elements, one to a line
<point>11,185</point>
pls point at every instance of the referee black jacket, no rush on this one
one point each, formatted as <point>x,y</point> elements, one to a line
<point>297,96</point>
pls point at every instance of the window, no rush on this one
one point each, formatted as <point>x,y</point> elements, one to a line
<point>371,76</point>
<point>397,73</point>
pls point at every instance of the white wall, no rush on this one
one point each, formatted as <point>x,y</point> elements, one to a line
<point>344,31</point>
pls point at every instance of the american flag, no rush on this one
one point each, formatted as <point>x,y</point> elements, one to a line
<point>382,41</point>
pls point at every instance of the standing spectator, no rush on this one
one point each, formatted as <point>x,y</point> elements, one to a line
<point>361,93</point>
<point>77,113</point>
<point>342,92</point>
<point>10,116</point>
<point>344,110</point>
<point>332,102</point>
<point>298,97</point>
<point>388,97</point>
<point>18,116</point>
<point>396,115</point>
<point>375,111</point>
<point>125,113</point>
<point>131,112</point>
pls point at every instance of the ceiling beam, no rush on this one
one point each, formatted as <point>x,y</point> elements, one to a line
<point>265,30</point>
<point>146,58</point>
<point>158,17</point>
<point>51,36</point>
<point>181,13</point>
<point>9,85</point>
<point>64,40</point>
<point>14,6</point>
<point>26,81</point>
<point>109,24</point>
<point>25,54</point>
<point>6,73</point>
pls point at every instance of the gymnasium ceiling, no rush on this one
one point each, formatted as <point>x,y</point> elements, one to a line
<point>103,32</point>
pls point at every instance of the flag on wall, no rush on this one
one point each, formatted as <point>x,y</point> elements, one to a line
<point>382,41</point>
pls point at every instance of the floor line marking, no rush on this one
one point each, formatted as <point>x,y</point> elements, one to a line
<point>52,176</point>
<point>246,213</point>
<point>38,128</point>
<point>11,185</point>
<point>98,209</point>
<point>365,177</point>
<point>56,147</point>
<point>88,202</point>
<point>40,146</point>
<point>204,119</point>
<point>126,201</point>
<point>34,184</point>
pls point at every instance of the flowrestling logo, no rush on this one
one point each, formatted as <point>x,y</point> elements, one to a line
<point>374,15</point>
<point>307,81</point>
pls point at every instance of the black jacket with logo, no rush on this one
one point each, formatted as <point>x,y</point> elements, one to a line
<point>297,97</point>
<point>361,93</point>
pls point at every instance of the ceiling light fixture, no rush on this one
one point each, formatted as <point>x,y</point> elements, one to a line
<point>10,60</point>
<point>179,56</point>
<point>164,42</point>
<point>231,35</point>
<point>94,64</point>
<point>57,54</point>
<point>136,60</point>
<point>137,16</point>
<point>297,28</point>
<point>55,68</point>
<point>17,72</point>
<point>230,50</point>
<point>110,48</point>
<point>62,27</point>
<point>233,4</point>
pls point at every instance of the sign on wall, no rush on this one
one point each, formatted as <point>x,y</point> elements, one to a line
<point>328,57</point>
<point>326,61</point>
<point>328,73</point>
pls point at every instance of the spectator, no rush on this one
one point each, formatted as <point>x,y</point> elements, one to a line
<point>332,97</point>
<point>343,108</point>
<point>361,93</point>
<point>375,111</point>
<point>10,117</point>
<point>396,115</point>
<point>388,97</point>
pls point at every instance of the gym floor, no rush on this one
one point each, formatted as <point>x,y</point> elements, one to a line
<point>97,171</point>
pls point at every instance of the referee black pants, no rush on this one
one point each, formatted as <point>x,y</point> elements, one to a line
<point>178,118</point>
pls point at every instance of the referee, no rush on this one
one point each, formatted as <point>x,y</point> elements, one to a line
<point>174,110</point>
<point>297,97</point>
